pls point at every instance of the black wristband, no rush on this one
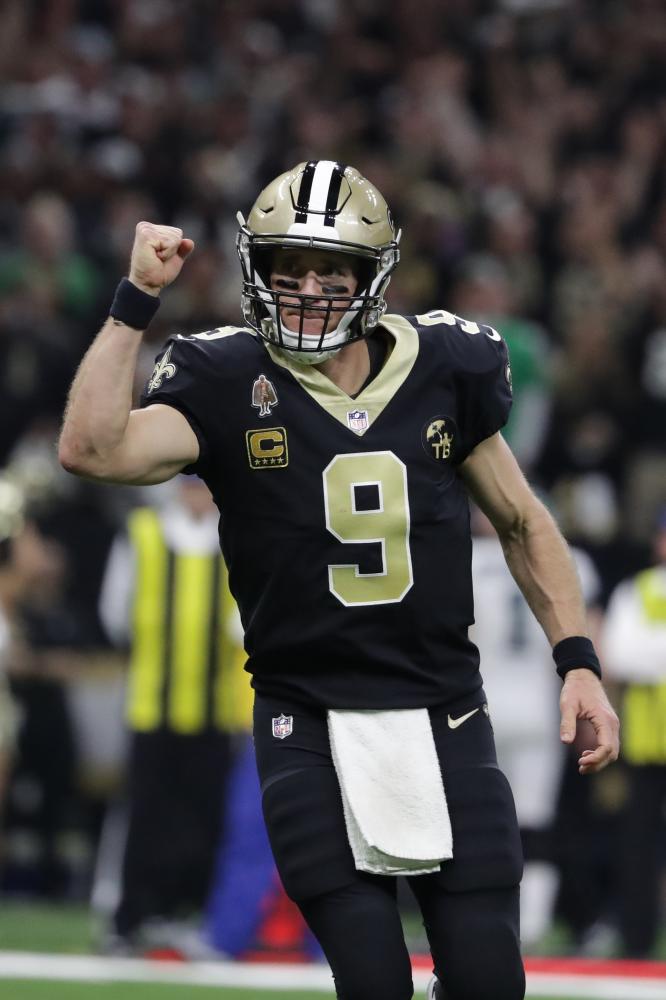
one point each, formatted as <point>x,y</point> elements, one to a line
<point>132,306</point>
<point>575,652</point>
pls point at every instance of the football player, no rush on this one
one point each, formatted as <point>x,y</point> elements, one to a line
<point>345,527</point>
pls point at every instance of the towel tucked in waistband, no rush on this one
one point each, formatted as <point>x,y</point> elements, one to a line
<point>392,790</point>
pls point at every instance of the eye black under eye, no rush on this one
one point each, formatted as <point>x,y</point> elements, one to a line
<point>335,289</point>
<point>287,283</point>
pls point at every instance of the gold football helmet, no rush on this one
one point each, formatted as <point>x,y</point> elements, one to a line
<point>326,206</point>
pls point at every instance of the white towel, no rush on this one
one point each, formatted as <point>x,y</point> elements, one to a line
<point>392,790</point>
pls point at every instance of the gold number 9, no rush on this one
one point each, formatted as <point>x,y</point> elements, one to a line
<point>387,525</point>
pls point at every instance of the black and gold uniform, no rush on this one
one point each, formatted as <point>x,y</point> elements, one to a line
<point>344,523</point>
<point>345,527</point>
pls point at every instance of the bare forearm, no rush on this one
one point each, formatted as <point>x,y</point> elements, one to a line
<point>101,438</point>
<point>542,566</point>
<point>100,398</point>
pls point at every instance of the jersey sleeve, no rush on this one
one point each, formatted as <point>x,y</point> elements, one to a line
<point>179,379</point>
<point>483,389</point>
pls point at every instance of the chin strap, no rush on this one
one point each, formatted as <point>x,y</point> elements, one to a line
<point>308,357</point>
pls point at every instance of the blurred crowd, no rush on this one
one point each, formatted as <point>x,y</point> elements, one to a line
<point>521,145</point>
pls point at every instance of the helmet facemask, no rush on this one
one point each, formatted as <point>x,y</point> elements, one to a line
<point>359,313</point>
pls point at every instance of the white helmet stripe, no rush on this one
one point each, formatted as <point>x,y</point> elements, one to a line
<point>321,183</point>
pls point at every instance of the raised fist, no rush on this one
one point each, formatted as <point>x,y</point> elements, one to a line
<point>157,256</point>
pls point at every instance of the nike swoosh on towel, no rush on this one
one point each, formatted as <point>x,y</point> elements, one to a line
<point>454,723</point>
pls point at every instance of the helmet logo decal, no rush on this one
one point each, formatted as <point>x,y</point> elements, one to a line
<point>264,396</point>
<point>164,368</point>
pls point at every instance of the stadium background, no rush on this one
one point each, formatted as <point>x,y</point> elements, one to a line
<point>521,146</point>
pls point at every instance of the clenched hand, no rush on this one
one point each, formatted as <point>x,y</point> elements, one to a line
<point>158,255</point>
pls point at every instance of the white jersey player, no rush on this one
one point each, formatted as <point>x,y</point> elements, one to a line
<point>523,695</point>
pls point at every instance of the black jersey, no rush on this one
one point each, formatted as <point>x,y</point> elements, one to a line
<point>344,522</point>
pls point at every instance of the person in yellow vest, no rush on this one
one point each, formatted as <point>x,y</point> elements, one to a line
<point>165,594</point>
<point>634,639</point>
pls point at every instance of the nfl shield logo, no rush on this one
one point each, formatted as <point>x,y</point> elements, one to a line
<point>283,726</point>
<point>357,420</point>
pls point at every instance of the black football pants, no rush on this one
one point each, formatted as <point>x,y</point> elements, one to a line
<point>470,909</point>
<point>473,939</point>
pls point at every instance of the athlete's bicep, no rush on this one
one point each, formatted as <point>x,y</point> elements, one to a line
<point>494,480</point>
<point>158,443</point>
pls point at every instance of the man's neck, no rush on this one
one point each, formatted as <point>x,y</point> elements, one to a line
<point>349,368</point>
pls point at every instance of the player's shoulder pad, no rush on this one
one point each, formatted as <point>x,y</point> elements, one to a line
<point>219,333</point>
<point>212,336</point>
<point>224,341</point>
<point>468,345</point>
<point>211,354</point>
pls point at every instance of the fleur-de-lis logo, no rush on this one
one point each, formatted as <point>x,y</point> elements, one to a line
<point>163,369</point>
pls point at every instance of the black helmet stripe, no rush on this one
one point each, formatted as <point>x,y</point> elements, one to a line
<point>304,192</point>
<point>319,191</point>
<point>334,193</point>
